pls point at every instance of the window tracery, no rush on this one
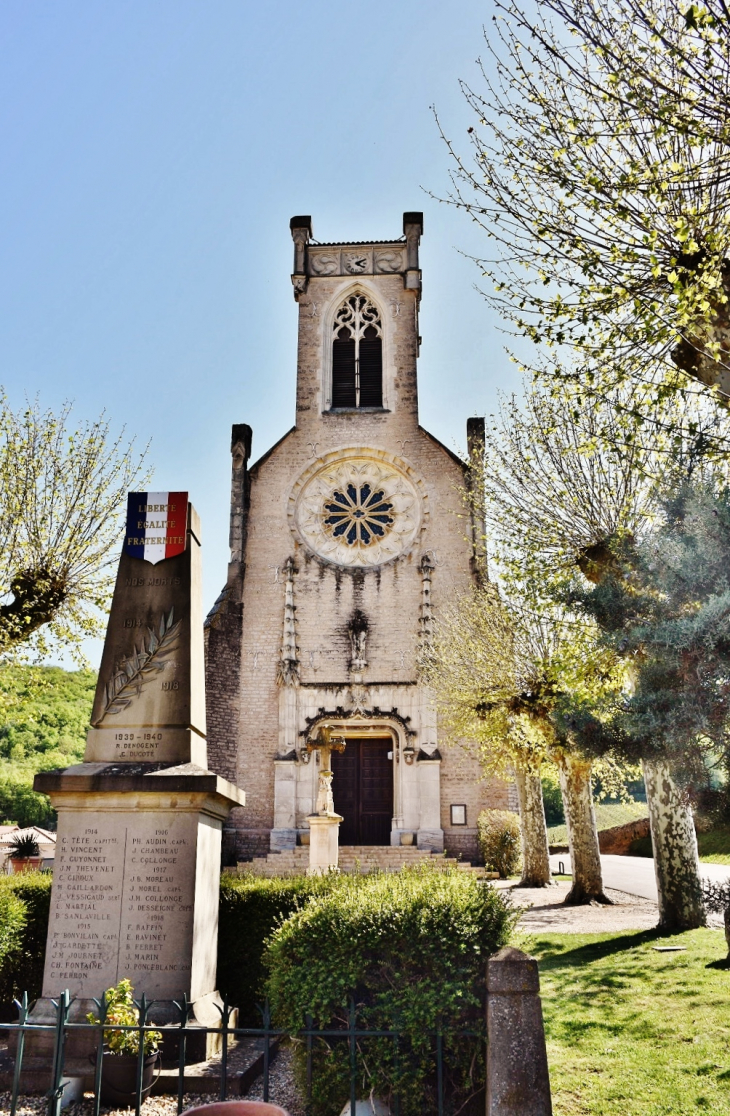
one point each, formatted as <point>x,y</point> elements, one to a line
<point>357,354</point>
<point>358,514</point>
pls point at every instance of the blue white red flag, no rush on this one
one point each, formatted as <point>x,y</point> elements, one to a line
<point>157,525</point>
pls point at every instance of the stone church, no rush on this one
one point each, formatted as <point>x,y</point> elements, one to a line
<point>345,538</point>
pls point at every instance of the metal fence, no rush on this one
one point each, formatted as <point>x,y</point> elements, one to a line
<point>352,1034</point>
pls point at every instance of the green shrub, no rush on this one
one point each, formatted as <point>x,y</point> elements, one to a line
<point>12,924</point>
<point>250,910</point>
<point>121,1012</point>
<point>499,841</point>
<point>21,967</point>
<point>411,948</point>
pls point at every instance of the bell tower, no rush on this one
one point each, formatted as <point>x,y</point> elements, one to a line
<point>358,330</point>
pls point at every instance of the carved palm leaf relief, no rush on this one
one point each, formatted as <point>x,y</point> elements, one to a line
<point>141,667</point>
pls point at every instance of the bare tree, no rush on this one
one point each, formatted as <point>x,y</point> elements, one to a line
<point>61,493</point>
<point>599,171</point>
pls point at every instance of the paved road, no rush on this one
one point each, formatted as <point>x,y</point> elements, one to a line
<point>635,874</point>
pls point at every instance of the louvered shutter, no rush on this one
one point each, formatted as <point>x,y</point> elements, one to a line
<point>343,371</point>
<point>371,369</point>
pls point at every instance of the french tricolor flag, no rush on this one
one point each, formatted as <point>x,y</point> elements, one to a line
<point>157,525</point>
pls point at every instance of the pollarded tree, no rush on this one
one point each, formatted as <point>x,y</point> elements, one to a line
<point>565,505</point>
<point>605,208</point>
<point>499,666</point>
<point>476,668</point>
<point>61,493</point>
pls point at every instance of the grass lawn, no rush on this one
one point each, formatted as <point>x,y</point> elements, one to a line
<point>715,845</point>
<point>633,1032</point>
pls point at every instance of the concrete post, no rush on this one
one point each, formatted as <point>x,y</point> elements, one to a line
<point>518,1083</point>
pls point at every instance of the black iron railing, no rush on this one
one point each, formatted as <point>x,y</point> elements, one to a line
<point>63,1027</point>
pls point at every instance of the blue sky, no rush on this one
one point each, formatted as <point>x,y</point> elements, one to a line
<point>153,152</point>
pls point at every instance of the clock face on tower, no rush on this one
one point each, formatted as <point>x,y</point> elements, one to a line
<point>357,507</point>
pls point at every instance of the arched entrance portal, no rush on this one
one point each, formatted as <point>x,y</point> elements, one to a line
<point>362,786</point>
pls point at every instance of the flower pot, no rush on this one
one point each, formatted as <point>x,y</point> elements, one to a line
<point>237,1108</point>
<point>119,1077</point>
<point>406,838</point>
<point>304,839</point>
<point>26,863</point>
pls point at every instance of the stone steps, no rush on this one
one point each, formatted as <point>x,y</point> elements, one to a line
<point>352,858</point>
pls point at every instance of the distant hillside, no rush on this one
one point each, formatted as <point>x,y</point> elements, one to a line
<point>44,715</point>
<point>606,818</point>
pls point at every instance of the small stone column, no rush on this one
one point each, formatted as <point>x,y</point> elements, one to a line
<point>518,1083</point>
<point>324,826</point>
<point>324,843</point>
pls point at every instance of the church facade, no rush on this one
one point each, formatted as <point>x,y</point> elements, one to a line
<point>345,537</point>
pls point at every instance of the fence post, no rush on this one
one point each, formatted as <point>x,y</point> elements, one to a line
<point>55,1093</point>
<point>517,1071</point>
<point>99,1068</point>
<point>143,1008</point>
<point>225,1019</point>
<point>183,1009</point>
<point>22,1006</point>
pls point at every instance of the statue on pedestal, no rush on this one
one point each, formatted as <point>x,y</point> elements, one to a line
<point>324,824</point>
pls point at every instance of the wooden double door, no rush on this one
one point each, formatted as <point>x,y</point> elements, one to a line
<point>362,787</point>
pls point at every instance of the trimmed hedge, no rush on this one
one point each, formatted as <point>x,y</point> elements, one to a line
<point>251,908</point>
<point>412,948</point>
<point>26,899</point>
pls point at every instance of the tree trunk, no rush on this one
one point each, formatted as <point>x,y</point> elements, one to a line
<point>585,856</point>
<point>676,863</point>
<point>535,852</point>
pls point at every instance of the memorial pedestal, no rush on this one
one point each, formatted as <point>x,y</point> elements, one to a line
<point>324,846</point>
<point>137,867</point>
<point>135,891</point>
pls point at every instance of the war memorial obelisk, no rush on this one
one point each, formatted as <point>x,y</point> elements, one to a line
<point>137,868</point>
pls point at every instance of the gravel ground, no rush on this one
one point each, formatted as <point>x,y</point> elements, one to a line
<point>282,1091</point>
<point>153,1106</point>
<point>544,910</point>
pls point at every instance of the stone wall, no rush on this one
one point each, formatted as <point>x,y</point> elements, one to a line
<point>617,841</point>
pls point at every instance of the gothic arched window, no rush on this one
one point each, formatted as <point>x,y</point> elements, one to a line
<point>357,354</point>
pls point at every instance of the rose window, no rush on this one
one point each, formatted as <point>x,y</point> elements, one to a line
<point>357,507</point>
<point>358,514</point>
